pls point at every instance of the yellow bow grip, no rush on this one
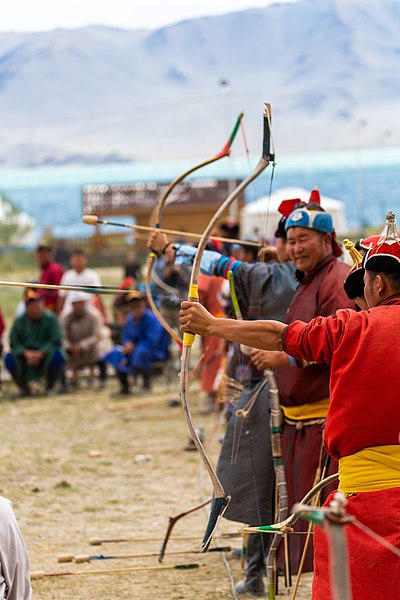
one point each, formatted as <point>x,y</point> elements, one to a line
<point>188,338</point>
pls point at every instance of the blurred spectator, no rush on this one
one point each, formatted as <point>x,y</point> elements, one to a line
<point>79,275</point>
<point>170,287</point>
<point>61,253</point>
<point>2,328</point>
<point>35,344</point>
<point>82,337</point>
<point>51,273</point>
<point>144,341</point>
<point>213,348</point>
<point>132,267</point>
<point>120,309</point>
<point>229,228</point>
<point>245,253</point>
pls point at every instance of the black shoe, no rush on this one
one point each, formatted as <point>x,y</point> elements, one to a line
<point>253,586</point>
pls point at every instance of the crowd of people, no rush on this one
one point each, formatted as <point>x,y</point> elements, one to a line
<point>57,333</point>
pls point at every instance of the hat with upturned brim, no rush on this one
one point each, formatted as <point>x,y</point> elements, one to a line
<point>384,257</point>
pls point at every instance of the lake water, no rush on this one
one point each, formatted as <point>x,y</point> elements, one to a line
<point>367,181</point>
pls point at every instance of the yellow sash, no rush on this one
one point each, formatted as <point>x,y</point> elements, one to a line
<point>370,470</point>
<point>316,410</point>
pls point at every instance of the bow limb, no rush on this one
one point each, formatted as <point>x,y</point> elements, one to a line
<point>285,526</point>
<point>220,500</point>
<point>280,479</point>
<point>171,525</point>
<point>158,216</point>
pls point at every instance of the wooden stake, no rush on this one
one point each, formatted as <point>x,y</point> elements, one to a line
<point>84,558</point>
<point>42,574</point>
<point>183,538</point>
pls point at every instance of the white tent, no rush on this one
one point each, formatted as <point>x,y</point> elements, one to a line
<point>261,217</point>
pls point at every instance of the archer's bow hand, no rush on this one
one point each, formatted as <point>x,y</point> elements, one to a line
<point>157,241</point>
<point>194,318</point>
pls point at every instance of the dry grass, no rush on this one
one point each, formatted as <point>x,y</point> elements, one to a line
<point>63,496</point>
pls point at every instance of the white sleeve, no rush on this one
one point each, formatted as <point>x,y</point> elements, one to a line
<point>14,562</point>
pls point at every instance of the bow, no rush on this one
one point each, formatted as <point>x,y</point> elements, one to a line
<point>285,526</point>
<point>158,215</point>
<point>220,501</point>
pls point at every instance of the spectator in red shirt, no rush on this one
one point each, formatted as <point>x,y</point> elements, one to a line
<point>51,273</point>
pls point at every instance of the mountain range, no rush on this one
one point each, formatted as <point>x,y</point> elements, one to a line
<point>330,69</point>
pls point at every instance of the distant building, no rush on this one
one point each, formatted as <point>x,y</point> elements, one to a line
<point>188,208</point>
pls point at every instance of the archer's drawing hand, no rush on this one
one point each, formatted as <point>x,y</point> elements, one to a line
<point>157,241</point>
<point>193,317</point>
<point>269,359</point>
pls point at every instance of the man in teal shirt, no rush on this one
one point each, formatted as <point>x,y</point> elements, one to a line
<point>35,343</point>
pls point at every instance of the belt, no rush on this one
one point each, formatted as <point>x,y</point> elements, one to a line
<point>304,412</point>
<point>370,469</point>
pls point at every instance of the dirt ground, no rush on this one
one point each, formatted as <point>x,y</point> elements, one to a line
<point>85,465</point>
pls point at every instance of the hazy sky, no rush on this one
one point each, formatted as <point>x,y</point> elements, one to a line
<point>41,15</point>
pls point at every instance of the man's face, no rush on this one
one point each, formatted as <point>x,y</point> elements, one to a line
<point>307,247</point>
<point>34,309</point>
<point>138,309</point>
<point>78,262</point>
<point>43,257</point>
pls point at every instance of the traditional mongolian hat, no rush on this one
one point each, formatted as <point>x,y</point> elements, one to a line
<point>286,208</point>
<point>354,282</point>
<point>318,220</point>
<point>367,243</point>
<point>384,257</point>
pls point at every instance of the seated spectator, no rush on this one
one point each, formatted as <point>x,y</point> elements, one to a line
<point>15,581</point>
<point>35,344</point>
<point>51,273</point>
<point>144,341</point>
<point>2,328</point>
<point>120,309</point>
<point>82,337</point>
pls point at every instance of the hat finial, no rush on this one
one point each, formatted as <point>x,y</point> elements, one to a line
<point>390,235</point>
